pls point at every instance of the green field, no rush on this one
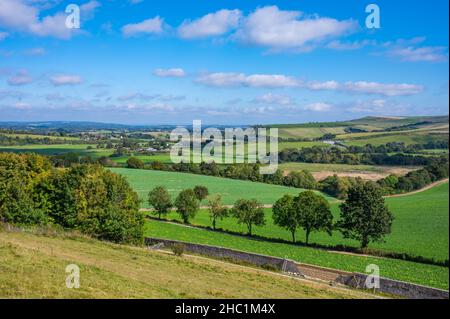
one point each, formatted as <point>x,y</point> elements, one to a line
<point>297,145</point>
<point>33,266</point>
<point>413,232</point>
<point>430,275</point>
<point>57,149</point>
<point>163,157</point>
<point>145,180</point>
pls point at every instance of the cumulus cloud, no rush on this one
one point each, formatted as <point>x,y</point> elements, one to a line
<point>146,27</point>
<point>393,89</point>
<point>66,79</point>
<point>378,106</point>
<point>271,98</point>
<point>289,30</point>
<point>19,15</point>
<point>212,24</point>
<point>241,79</point>
<point>410,50</point>
<point>283,81</point>
<point>421,54</point>
<point>382,89</point>
<point>20,78</point>
<point>174,72</point>
<point>318,107</point>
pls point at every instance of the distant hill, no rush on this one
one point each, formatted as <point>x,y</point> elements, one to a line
<point>378,121</point>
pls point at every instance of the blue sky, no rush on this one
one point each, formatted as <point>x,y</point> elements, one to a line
<point>223,62</point>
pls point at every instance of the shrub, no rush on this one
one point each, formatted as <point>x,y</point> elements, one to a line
<point>177,249</point>
<point>134,162</point>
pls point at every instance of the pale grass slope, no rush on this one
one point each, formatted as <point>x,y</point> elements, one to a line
<point>33,266</point>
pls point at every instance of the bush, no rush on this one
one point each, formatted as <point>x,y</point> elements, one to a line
<point>177,249</point>
<point>134,162</point>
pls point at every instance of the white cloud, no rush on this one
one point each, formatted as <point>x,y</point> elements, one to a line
<point>421,54</point>
<point>283,81</point>
<point>20,78</point>
<point>382,89</point>
<point>327,85</point>
<point>149,26</point>
<point>20,16</point>
<point>66,79</point>
<point>174,72</point>
<point>87,10</point>
<point>270,98</point>
<point>212,24</point>
<point>241,79</point>
<point>318,107</point>
<point>289,30</point>
<point>379,106</point>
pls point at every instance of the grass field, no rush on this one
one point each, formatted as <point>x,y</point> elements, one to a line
<point>163,157</point>
<point>33,266</point>
<point>297,145</point>
<point>145,180</point>
<point>413,232</point>
<point>430,275</point>
<point>309,132</point>
<point>57,149</point>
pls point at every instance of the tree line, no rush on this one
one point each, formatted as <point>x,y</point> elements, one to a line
<point>363,216</point>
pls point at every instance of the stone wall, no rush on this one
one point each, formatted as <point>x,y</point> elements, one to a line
<point>284,265</point>
<point>395,287</point>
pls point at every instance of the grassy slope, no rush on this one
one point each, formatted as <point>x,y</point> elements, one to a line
<point>145,180</point>
<point>396,269</point>
<point>33,266</point>
<point>413,231</point>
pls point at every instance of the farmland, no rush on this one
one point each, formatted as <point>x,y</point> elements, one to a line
<point>430,275</point>
<point>33,267</point>
<point>413,232</point>
<point>56,149</point>
<point>145,180</point>
<point>369,172</point>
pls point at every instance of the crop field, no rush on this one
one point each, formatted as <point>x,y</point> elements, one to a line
<point>309,132</point>
<point>33,267</point>
<point>231,190</point>
<point>413,232</point>
<point>435,276</point>
<point>368,172</point>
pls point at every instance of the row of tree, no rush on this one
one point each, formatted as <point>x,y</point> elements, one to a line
<point>368,155</point>
<point>363,216</point>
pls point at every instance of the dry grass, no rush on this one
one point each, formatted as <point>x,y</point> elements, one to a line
<point>33,266</point>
